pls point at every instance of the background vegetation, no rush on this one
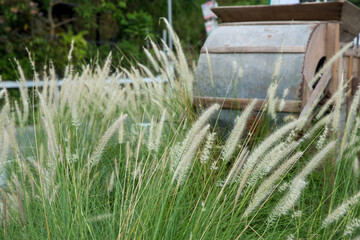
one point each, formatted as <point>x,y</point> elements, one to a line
<point>46,28</point>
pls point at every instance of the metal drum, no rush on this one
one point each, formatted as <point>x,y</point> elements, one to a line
<point>257,45</point>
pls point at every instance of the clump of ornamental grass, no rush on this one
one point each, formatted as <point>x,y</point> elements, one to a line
<point>109,160</point>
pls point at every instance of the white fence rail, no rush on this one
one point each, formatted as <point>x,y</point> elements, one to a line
<point>31,84</point>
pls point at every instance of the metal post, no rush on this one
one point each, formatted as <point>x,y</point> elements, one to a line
<point>170,22</point>
<point>164,39</point>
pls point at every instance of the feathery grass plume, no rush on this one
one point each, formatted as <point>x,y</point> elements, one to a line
<point>352,227</point>
<point>268,185</point>
<point>298,184</point>
<point>152,60</point>
<point>288,201</point>
<point>282,101</point>
<point>100,217</point>
<point>330,62</point>
<point>68,68</point>
<point>10,129</point>
<point>23,93</point>
<point>350,118</point>
<point>322,138</point>
<point>18,112</point>
<point>155,83</point>
<point>236,133</point>
<point>271,159</point>
<point>95,157</point>
<point>5,145</point>
<point>151,134</point>
<point>233,174</point>
<point>234,66</point>
<point>329,102</point>
<point>341,210</point>
<point>172,57</point>
<point>273,100</point>
<point>53,85</point>
<point>185,162</point>
<point>196,127</point>
<point>337,109</point>
<point>156,49</point>
<point>356,167</point>
<point>2,92</point>
<point>75,121</point>
<point>353,139</point>
<point>166,69</point>
<point>205,155</point>
<point>262,148</point>
<point>209,65</point>
<point>49,124</point>
<point>213,166</point>
<point>121,132</point>
<point>275,75</point>
<point>323,121</point>
<point>316,160</point>
<point>296,214</point>
<point>290,237</point>
<point>184,72</point>
<point>32,62</point>
<point>110,186</point>
<point>240,72</point>
<point>289,118</point>
<point>159,129</point>
<point>52,143</point>
<point>105,70</point>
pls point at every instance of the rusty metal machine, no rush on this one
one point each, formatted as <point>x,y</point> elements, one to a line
<point>238,59</point>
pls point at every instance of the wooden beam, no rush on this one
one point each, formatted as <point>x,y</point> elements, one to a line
<point>332,47</point>
<point>316,50</point>
<point>256,49</point>
<point>316,93</point>
<point>350,18</point>
<point>270,23</point>
<point>350,68</point>
<point>291,106</point>
<point>302,12</point>
<point>350,76</point>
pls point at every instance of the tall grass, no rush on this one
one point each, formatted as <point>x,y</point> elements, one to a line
<point>98,160</point>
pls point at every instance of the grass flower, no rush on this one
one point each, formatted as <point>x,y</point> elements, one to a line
<point>95,157</point>
<point>268,185</point>
<point>185,163</point>
<point>262,148</point>
<point>159,131</point>
<point>180,149</point>
<point>352,227</point>
<point>205,155</point>
<point>236,133</point>
<point>341,210</point>
<point>298,184</point>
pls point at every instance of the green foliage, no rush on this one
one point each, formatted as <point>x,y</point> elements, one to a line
<point>121,24</point>
<point>28,24</point>
<point>80,44</point>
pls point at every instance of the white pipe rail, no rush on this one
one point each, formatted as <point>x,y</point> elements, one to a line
<point>32,84</point>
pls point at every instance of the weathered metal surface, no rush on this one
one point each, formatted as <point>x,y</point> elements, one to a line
<point>248,75</point>
<point>260,36</point>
